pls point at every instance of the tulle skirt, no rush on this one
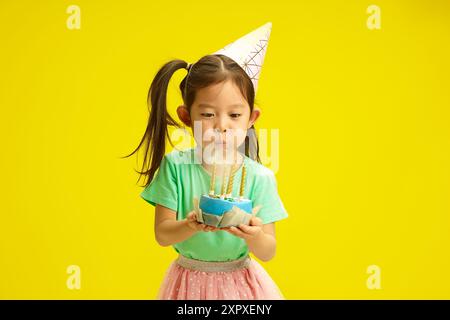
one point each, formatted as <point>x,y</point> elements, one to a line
<point>243,279</point>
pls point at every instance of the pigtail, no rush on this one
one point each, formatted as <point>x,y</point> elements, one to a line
<point>154,139</point>
<point>251,145</point>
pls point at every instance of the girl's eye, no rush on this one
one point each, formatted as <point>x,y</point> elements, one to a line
<point>207,115</point>
<point>235,115</point>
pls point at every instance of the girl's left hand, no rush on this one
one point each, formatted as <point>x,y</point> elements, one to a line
<point>247,232</point>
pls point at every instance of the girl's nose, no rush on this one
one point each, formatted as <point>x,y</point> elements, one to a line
<point>220,134</point>
<point>221,124</point>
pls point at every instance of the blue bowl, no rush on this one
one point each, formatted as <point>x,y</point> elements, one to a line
<point>219,206</point>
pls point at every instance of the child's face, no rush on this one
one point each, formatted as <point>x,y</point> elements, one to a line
<point>224,114</point>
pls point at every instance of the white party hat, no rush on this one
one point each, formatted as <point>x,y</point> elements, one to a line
<point>249,51</point>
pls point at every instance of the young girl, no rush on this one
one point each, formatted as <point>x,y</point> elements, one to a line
<point>213,263</point>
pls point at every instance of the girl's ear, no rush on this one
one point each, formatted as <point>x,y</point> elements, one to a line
<point>254,116</point>
<point>183,114</point>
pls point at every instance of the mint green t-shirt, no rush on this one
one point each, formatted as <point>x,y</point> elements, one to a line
<point>181,177</point>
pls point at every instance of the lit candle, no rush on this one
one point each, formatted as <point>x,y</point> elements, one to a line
<point>212,187</point>
<point>241,189</point>
<point>222,192</point>
<point>230,183</point>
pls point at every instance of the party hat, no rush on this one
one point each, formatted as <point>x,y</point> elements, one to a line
<point>249,51</point>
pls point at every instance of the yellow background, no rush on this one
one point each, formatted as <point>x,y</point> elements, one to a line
<point>363,117</point>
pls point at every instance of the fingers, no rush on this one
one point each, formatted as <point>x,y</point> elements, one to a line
<point>211,228</point>
<point>255,221</point>
<point>250,231</point>
<point>237,232</point>
<point>244,231</point>
<point>246,228</point>
<point>192,217</point>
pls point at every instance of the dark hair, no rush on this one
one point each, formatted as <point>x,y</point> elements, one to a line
<point>209,70</point>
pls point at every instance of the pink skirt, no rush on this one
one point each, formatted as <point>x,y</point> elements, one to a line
<point>243,279</point>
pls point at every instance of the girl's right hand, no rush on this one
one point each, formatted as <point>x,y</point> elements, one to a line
<point>198,226</point>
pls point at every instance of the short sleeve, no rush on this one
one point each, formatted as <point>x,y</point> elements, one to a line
<point>266,195</point>
<point>163,188</point>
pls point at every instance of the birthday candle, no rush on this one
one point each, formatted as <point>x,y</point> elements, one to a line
<point>230,182</point>
<point>213,180</point>
<point>222,192</point>
<point>241,189</point>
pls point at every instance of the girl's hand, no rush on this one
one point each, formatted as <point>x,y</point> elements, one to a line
<point>197,226</point>
<point>245,232</point>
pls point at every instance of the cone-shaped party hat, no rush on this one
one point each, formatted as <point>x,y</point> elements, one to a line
<point>249,51</point>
